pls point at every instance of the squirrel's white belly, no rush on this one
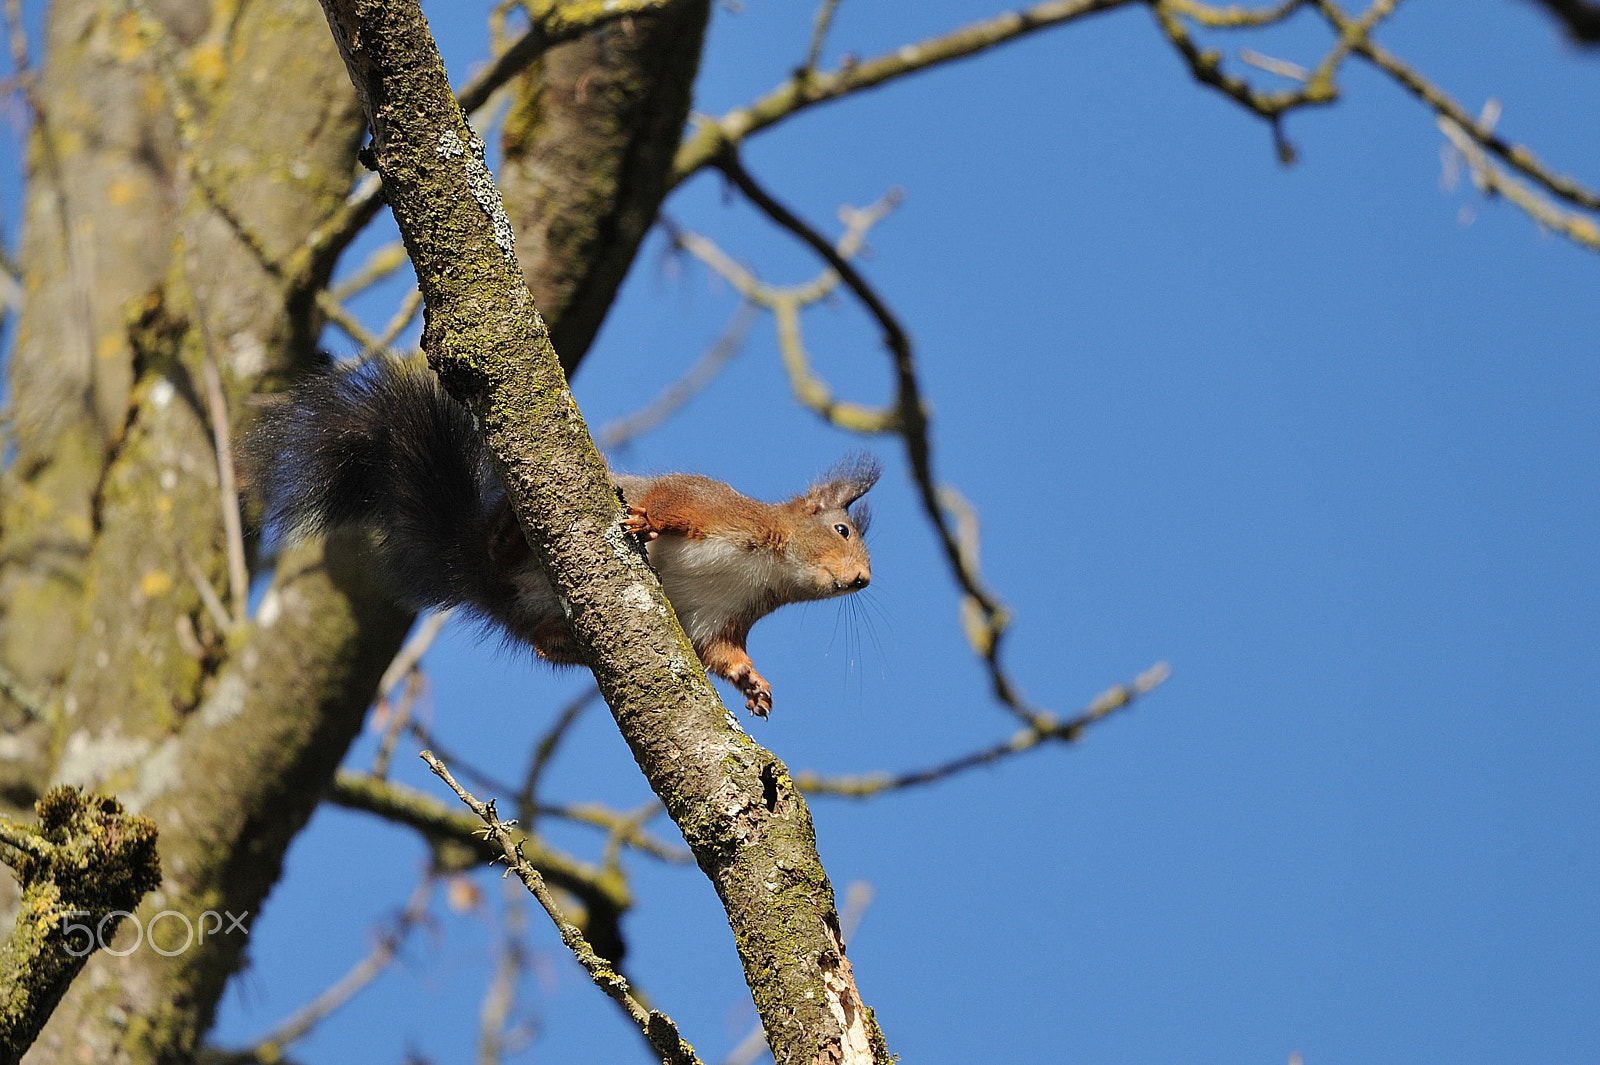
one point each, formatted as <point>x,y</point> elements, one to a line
<point>713,582</point>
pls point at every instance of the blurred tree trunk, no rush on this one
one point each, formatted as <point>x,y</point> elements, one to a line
<point>185,157</point>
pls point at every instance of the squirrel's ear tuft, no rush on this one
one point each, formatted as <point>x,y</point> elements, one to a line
<point>847,482</point>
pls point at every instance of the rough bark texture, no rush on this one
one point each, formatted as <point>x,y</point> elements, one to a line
<point>154,231</point>
<point>747,825</point>
<point>82,869</point>
<point>588,145</point>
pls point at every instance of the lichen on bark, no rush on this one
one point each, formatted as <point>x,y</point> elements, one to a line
<point>749,829</point>
<point>83,868</point>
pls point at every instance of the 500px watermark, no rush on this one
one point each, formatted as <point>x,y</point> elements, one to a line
<point>79,939</point>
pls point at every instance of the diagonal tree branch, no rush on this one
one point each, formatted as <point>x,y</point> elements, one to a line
<point>732,799</point>
<point>657,1027</point>
<point>806,88</point>
<point>1109,702</point>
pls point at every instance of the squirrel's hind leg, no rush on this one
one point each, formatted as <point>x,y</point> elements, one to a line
<point>730,661</point>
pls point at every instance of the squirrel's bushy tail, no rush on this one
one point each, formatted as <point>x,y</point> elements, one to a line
<point>380,445</point>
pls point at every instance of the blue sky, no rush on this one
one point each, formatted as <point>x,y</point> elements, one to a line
<point>1324,437</point>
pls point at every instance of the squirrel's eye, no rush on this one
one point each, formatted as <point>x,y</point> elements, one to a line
<point>843,530</point>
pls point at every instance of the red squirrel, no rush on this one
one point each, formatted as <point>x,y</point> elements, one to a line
<point>380,445</point>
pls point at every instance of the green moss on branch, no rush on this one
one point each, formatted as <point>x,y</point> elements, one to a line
<point>82,868</point>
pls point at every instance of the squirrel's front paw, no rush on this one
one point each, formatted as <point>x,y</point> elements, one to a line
<point>757,693</point>
<point>635,521</point>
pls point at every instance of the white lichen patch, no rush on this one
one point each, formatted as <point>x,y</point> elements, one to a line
<point>481,184</point>
<point>450,146</point>
<point>161,772</point>
<point>88,760</point>
<point>226,702</point>
<point>638,596</point>
<point>247,354</point>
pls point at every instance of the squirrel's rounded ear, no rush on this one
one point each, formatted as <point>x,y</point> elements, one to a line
<point>847,482</point>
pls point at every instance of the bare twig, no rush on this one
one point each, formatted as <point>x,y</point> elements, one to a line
<point>1515,156</point>
<point>910,420</point>
<point>786,304</point>
<point>1234,16</point>
<point>598,889</point>
<point>1490,180</point>
<point>208,595</point>
<point>657,1027</point>
<point>819,35</point>
<point>348,323</point>
<point>1107,703</point>
<point>1272,65</point>
<point>555,25</point>
<point>271,1046</point>
<point>227,488</point>
<point>545,749</point>
<point>501,995</point>
<point>403,316</point>
<point>380,264</point>
<point>399,712</point>
<point>625,430</point>
<point>411,652</point>
<point>624,828</point>
<point>805,89</point>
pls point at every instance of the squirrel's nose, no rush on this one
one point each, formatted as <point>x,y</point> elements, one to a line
<point>861,581</point>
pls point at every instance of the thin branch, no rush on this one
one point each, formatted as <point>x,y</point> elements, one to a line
<point>545,749</point>
<point>558,24</point>
<point>351,326</point>
<point>1273,65</point>
<point>271,1046</point>
<point>1580,229</point>
<point>806,89</point>
<point>411,652</point>
<point>623,431</point>
<point>1109,702</point>
<point>657,1027</point>
<point>208,595</point>
<point>501,995</point>
<point>626,829</point>
<point>380,264</point>
<point>1234,16</point>
<point>1205,65</point>
<point>404,315</point>
<point>227,488</point>
<point>418,810</point>
<point>399,712</point>
<point>819,35</point>
<point>786,304</point>
<point>911,422</point>
<point>481,777</point>
<point>1515,156</point>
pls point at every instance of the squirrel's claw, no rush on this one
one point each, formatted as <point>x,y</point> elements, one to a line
<point>757,693</point>
<point>635,521</point>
